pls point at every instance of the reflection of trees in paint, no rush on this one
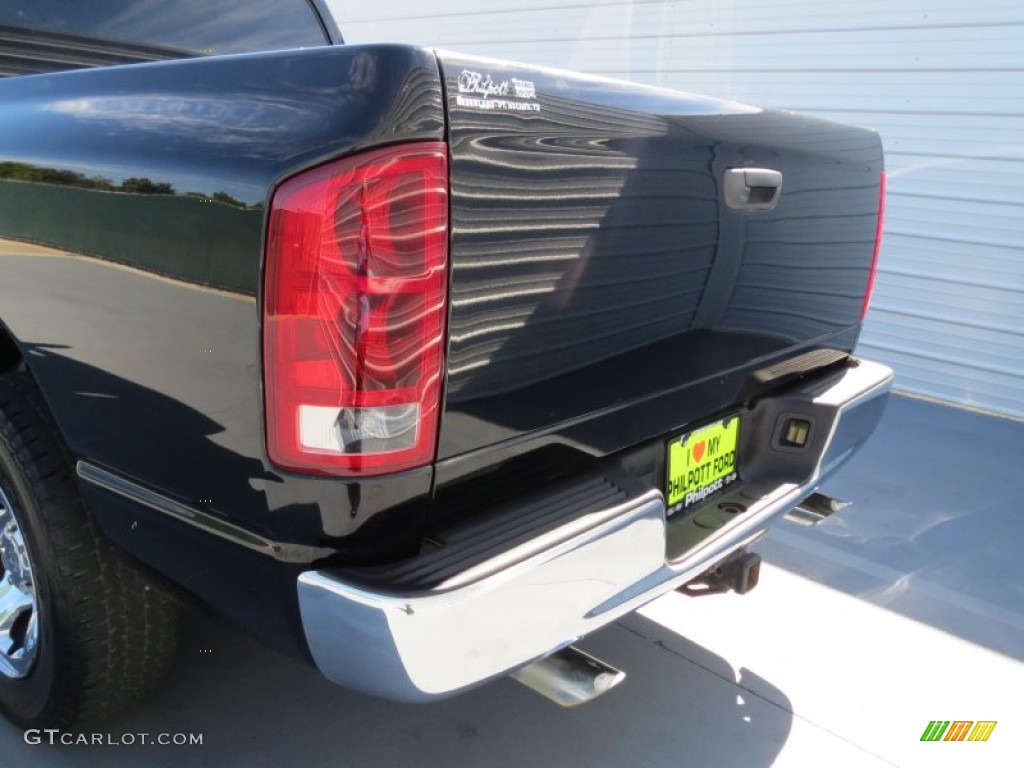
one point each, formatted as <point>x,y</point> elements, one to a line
<point>135,185</point>
<point>143,186</point>
<point>224,197</point>
<point>29,172</point>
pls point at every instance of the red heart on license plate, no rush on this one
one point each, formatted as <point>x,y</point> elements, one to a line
<point>698,451</point>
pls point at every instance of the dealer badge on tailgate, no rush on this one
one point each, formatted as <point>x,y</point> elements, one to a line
<point>701,464</point>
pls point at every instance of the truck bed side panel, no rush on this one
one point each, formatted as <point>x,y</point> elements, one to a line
<point>132,204</point>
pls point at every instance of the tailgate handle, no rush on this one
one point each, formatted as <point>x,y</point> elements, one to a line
<point>752,189</point>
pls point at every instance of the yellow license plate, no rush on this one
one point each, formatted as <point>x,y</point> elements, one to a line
<point>702,464</point>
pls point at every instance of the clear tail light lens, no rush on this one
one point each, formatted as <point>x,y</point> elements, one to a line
<point>878,246</point>
<point>354,312</point>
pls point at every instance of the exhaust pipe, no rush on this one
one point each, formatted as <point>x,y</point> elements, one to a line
<point>569,677</point>
<point>817,507</point>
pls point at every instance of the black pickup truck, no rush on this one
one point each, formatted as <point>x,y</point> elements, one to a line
<point>417,365</point>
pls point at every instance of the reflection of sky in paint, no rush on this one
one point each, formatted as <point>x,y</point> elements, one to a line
<point>225,26</point>
<point>256,127</point>
<point>203,126</point>
<point>179,114</point>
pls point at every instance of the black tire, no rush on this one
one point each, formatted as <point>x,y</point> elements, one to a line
<point>107,630</point>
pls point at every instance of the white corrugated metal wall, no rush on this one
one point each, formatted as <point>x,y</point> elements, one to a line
<point>942,80</point>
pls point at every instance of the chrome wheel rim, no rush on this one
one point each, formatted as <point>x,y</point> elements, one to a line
<point>19,609</point>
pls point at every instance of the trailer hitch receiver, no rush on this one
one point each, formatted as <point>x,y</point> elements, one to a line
<point>739,572</point>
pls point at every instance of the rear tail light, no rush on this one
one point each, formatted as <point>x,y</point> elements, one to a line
<point>354,313</point>
<point>878,245</point>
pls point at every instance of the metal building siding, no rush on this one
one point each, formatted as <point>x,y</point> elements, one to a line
<point>941,80</point>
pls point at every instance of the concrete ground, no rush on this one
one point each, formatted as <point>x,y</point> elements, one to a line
<point>907,608</point>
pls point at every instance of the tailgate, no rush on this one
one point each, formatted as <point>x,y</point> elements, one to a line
<point>595,262</point>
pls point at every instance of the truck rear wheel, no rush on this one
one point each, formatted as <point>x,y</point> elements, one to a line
<point>83,629</point>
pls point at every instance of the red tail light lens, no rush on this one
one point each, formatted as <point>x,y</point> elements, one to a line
<point>354,313</point>
<point>878,245</point>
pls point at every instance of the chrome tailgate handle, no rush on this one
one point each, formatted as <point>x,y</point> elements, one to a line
<point>752,189</point>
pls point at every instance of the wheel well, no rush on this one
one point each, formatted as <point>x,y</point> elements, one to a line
<point>10,355</point>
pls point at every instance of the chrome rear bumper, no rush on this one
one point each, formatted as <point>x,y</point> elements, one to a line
<point>546,592</point>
